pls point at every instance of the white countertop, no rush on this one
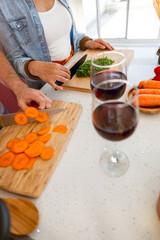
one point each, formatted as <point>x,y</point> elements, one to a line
<point>80,201</point>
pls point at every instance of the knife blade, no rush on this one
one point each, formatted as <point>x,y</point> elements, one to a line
<point>8,119</point>
<point>74,68</point>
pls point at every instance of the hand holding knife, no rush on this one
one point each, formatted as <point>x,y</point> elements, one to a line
<point>73,69</point>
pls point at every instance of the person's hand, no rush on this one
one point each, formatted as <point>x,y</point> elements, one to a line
<point>98,43</point>
<point>25,95</point>
<point>50,72</point>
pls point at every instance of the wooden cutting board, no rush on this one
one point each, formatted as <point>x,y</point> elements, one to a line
<point>33,181</point>
<point>83,84</point>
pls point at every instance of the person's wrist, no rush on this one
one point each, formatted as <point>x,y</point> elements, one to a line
<point>86,44</point>
<point>30,69</point>
<point>83,42</point>
<point>20,88</point>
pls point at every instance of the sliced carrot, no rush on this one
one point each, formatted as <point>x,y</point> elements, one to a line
<point>20,146</point>
<point>11,143</point>
<point>47,153</point>
<point>6,159</point>
<point>30,163</point>
<point>20,161</point>
<point>45,138</point>
<point>30,137</point>
<point>35,149</point>
<point>42,117</point>
<point>149,100</point>
<point>44,130</point>
<point>21,118</point>
<point>147,91</point>
<point>31,112</point>
<point>149,84</point>
<point>60,129</point>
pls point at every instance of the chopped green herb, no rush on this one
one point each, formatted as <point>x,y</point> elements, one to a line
<point>84,69</point>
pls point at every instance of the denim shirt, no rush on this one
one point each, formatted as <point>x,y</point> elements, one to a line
<point>22,36</point>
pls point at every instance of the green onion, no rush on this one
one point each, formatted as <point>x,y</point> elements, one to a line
<point>84,69</point>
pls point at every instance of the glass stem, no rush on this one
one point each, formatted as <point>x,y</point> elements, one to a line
<point>114,158</point>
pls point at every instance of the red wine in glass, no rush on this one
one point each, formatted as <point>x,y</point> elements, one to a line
<point>110,90</point>
<point>115,121</point>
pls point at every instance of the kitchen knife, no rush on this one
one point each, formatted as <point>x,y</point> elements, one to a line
<point>8,119</point>
<point>73,69</point>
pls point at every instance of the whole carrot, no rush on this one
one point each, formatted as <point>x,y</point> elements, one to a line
<point>147,91</point>
<point>149,84</point>
<point>149,100</point>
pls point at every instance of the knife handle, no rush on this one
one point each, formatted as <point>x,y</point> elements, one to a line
<point>58,83</point>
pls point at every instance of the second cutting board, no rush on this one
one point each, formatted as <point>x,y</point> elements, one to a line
<point>33,181</point>
<point>83,84</point>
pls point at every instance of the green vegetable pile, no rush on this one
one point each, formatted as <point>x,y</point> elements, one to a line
<point>84,69</point>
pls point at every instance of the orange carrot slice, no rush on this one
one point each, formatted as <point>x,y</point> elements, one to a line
<point>44,130</point>
<point>47,153</point>
<point>11,143</point>
<point>60,129</point>
<point>20,146</point>
<point>20,161</point>
<point>30,137</point>
<point>30,163</point>
<point>35,149</point>
<point>45,138</point>
<point>31,112</point>
<point>21,118</point>
<point>42,117</point>
<point>6,159</point>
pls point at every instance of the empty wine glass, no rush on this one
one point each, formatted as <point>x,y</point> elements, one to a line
<point>114,119</point>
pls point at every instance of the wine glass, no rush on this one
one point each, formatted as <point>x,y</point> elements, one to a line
<point>107,65</point>
<point>115,119</point>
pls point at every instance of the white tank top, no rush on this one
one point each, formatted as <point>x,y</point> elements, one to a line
<point>57,25</point>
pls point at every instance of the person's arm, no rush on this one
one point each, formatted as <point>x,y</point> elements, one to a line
<point>39,70</point>
<point>24,94</point>
<point>83,42</point>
